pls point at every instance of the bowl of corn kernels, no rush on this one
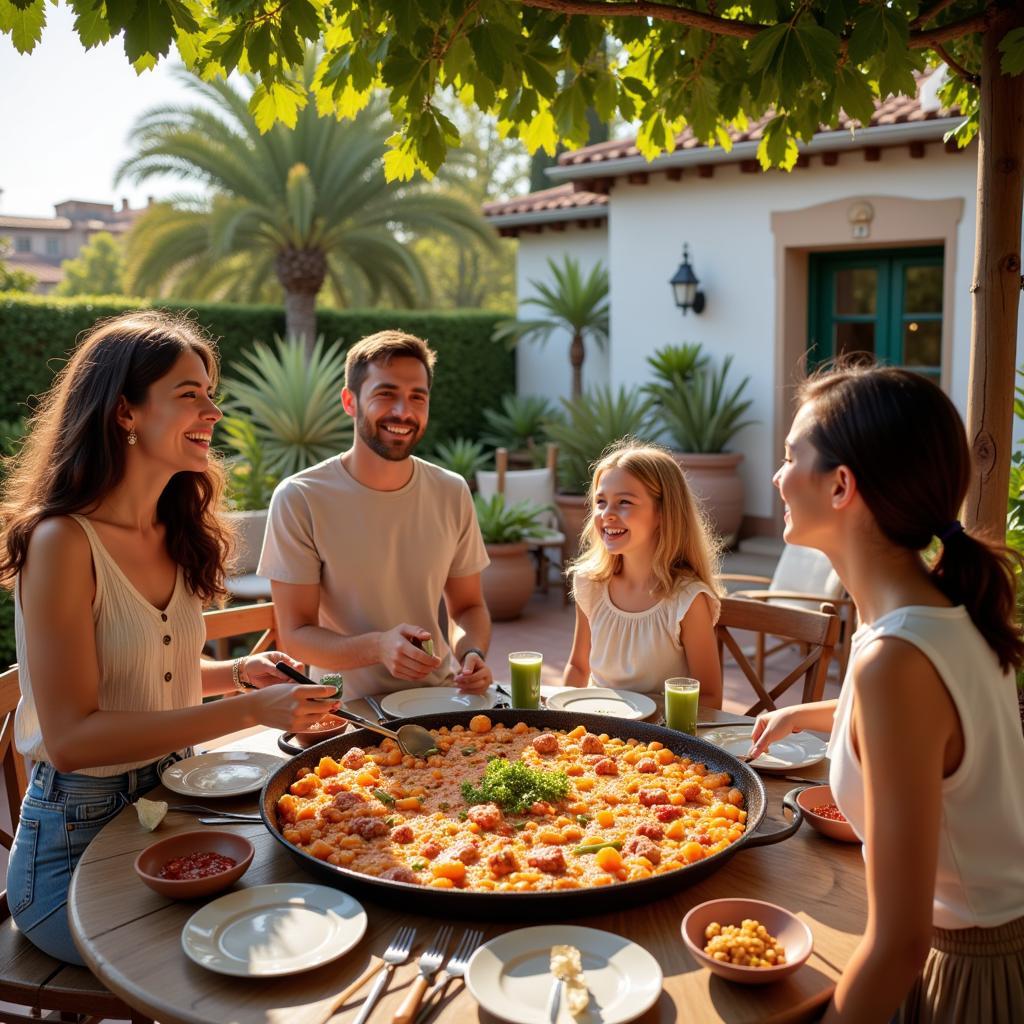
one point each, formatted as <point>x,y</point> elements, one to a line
<point>748,941</point>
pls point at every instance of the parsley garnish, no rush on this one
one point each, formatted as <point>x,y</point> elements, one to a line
<point>515,786</point>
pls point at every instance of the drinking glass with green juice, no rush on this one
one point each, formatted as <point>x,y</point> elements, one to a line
<point>524,676</point>
<point>681,697</point>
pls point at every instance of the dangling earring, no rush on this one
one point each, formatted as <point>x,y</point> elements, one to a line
<point>133,438</point>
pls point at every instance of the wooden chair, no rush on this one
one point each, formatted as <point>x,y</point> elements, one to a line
<point>538,486</point>
<point>803,578</point>
<point>28,977</point>
<point>818,631</point>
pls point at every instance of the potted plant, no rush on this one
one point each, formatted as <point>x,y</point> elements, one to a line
<point>700,415</point>
<point>462,456</point>
<point>249,487</point>
<point>509,580</point>
<point>519,426</point>
<point>589,425</point>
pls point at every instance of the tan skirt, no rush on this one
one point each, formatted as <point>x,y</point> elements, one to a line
<point>972,976</point>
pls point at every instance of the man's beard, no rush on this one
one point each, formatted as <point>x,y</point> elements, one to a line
<point>388,446</point>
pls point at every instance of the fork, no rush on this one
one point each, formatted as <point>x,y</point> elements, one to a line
<point>198,809</point>
<point>455,968</point>
<point>430,960</point>
<point>396,953</point>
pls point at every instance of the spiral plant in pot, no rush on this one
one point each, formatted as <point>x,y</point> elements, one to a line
<point>508,532</point>
<point>699,415</point>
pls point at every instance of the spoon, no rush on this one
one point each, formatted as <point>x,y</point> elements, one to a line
<point>413,739</point>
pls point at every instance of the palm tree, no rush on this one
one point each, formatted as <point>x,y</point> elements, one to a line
<point>574,303</point>
<point>307,205</point>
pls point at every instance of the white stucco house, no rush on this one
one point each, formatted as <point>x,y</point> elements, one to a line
<point>867,244</point>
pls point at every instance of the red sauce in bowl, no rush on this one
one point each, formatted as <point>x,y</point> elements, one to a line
<point>196,865</point>
<point>830,811</point>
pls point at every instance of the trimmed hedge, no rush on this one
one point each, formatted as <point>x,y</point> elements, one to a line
<point>37,332</point>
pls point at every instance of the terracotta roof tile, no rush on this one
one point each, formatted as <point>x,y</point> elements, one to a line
<point>561,197</point>
<point>892,110</point>
<point>35,223</point>
<point>43,271</point>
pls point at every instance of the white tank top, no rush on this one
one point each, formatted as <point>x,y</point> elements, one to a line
<point>148,657</point>
<point>980,877</point>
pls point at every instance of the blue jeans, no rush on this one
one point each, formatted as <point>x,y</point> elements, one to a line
<point>60,815</point>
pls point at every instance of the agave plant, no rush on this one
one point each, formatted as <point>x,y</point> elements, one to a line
<point>519,425</point>
<point>291,397</point>
<point>501,523</point>
<point>250,485</point>
<point>592,423</point>
<point>698,413</point>
<point>674,363</point>
<point>462,456</point>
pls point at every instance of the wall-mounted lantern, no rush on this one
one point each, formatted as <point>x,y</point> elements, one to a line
<point>684,286</point>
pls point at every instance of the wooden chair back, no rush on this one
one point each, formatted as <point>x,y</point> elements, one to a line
<point>816,632</point>
<point>224,623</point>
<point>12,764</point>
<point>538,486</point>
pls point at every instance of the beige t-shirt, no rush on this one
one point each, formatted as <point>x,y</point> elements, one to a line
<point>381,557</point>
<point>637,650</point>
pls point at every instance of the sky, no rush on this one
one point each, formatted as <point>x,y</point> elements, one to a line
<point>65,115</point>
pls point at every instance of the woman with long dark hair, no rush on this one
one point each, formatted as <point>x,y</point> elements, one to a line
<point>112,536</point>
<point>927,756</point>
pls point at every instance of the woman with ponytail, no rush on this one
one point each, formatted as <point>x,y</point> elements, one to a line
<point>927,756</point>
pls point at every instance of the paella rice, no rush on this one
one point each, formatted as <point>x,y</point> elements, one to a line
<point>512,808</point>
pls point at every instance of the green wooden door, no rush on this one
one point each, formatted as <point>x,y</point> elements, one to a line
<point>886,303</point>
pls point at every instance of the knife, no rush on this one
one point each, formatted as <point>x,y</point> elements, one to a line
<point>378,710</point>
<point>555,1001</point>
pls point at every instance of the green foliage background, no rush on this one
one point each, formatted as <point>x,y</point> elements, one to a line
<point>473,372</point>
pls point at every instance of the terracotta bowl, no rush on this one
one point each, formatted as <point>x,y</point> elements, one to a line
<point>329,725</point>
<point>794,936</point>
<point>227,844</point>
<point>818,796</point>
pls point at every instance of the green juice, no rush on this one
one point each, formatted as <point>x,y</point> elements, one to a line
<point>681,710</point>
<point>524,676</point>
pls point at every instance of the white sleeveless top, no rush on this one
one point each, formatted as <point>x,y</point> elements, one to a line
<point>636,650</point>
<point>148,658</point>
<point>980,877</point>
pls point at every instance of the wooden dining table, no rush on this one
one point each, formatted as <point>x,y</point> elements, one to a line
<point>131,937</point>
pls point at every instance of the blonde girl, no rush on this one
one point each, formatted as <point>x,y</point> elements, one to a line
<point>646,599</point>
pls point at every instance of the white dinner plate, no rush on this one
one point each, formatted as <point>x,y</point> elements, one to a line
<point>435,700</point>
<point>220,773</point>
<point>799,750</point>
<point>597,700</point>
<point>270,930</point>
<point>512,975</point>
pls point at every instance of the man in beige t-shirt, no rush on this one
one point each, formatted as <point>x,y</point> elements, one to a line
<point>360,548</point>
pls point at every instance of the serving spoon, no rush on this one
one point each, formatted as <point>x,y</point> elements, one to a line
<point>413,739</point>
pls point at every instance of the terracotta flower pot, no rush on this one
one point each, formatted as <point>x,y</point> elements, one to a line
<point>573,511</point>
<point>508,581</point>
<point>716,482</point>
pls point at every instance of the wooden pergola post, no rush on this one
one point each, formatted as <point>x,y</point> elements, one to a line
<point>996,282</point>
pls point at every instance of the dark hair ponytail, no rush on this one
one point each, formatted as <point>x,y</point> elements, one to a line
<point>904,441</point>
